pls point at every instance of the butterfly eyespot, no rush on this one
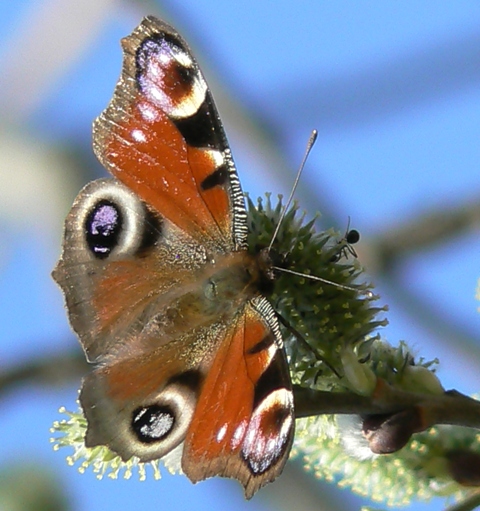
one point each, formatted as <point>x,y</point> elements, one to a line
<point>160,424</point>
<point>102,228</point>
<point>114,222</point>
<point>152,423</point>
<point>166,75</point>
<point>268,435</point>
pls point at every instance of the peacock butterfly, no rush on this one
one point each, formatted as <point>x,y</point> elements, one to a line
<point>161,288</point>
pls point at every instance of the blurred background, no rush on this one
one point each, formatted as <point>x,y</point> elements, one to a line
<point>392,87</point>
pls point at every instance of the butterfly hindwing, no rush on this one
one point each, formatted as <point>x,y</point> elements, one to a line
<point>142,405</point>
<point>122,270</point>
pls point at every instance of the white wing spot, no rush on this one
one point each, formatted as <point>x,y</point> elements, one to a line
<point>238,434</point>
<point>183,58</point>
<point>139,136</point>
<point>221,433</point>
<point>216,157</point>
<point>148,112</point>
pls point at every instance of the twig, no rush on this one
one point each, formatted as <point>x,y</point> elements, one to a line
<point>468,504</point>
<point>450,407</point>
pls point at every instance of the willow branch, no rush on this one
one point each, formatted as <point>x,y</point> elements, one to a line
<point>450,407</point>
<point>468,504</point>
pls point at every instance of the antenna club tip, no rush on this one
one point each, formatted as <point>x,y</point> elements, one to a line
<point>311,141</point>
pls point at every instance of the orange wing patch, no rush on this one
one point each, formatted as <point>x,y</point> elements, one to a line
<point>156,164</point>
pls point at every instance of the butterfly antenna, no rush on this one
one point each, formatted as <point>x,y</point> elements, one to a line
<point>320,279</point>
<point>310,144</point>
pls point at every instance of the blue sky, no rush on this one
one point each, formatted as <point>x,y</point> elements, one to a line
<point>392,88</point>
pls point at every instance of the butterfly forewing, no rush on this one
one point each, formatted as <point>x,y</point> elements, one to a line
<point>243,424</point>
<point>162,137</point>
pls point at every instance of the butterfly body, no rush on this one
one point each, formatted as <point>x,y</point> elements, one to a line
<point>160,285</point>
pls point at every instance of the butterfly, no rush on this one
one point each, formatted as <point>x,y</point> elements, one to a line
<point>162,289</point>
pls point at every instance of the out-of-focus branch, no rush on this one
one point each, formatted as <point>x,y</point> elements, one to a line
<point>56,370</point>
<point>452,407</point>
<point>422,232</point>
<point>383,255</point>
